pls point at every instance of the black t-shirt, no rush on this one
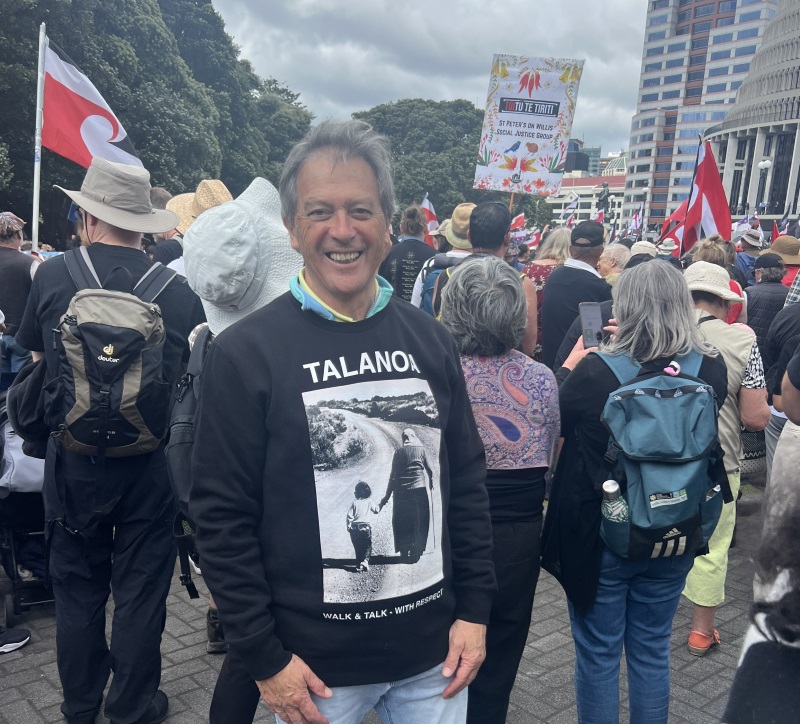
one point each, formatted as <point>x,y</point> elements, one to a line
<point>402,265</point>
<point>53,289</point>
<point>785,326</point>
<point>566,288</point>
<point>575,331</point>
<point>168,250</point>
<point>119,268</point>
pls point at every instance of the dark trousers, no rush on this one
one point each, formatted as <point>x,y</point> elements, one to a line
<point>361,537</point>
<point>236,695</point>
<point>516,564</point>
<point>130,552</point>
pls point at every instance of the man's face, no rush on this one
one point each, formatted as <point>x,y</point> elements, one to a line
<point>605,265</point>
<point>340,230</point>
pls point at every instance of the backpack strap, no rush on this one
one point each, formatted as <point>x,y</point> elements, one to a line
<point>155,280</point>
<point>81,269</point>
<point>623,367</point>
<point>198,353</point>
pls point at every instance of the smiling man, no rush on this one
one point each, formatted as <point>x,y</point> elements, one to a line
<point>307,403</point>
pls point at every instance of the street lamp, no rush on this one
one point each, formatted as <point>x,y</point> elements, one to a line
<point>763,167</point>
<point>645,193</point>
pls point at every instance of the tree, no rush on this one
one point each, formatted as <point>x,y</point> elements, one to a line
<point>259,120</point>
<point>172,75</point>
<point>6,174</point>
<point>434,148</point>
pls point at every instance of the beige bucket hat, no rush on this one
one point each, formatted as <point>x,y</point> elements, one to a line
<point>702,276</point>
<point>119,194</point>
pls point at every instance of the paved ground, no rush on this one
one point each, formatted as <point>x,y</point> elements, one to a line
<point>29,686</point>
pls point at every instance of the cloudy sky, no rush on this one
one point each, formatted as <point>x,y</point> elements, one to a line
<point>349,55</point>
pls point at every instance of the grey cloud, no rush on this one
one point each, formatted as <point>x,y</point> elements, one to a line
<point>348,56</point>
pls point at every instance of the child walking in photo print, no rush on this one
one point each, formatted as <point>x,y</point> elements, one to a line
<point>386,433</point>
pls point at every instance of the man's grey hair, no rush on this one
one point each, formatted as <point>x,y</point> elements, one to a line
<point>343,140</point>
<point>484,307</point>
<point>619,253</point>
<point>655,313</point>
<point>772,274</point>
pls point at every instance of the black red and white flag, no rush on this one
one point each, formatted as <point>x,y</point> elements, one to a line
<point>431,222</point>
<point>76,122</point>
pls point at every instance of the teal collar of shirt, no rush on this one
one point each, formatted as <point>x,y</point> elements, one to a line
<point>309,303</point>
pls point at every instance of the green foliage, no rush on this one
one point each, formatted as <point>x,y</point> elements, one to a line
<point>6,174</point>
<point>434,147</point>
<point>172,75</point>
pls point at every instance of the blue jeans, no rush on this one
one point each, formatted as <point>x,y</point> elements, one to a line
<point>14,357</point>
<point>416,699</point>
<point>635,604</point>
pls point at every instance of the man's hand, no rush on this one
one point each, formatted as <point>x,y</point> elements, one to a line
<point>466,654</point>
<point>287,695</point>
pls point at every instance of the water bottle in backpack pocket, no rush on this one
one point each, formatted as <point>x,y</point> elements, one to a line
<point>664,450</point>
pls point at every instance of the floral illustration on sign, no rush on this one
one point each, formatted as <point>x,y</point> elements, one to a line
<point>527,123</point>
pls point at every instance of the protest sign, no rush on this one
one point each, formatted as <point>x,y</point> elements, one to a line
<point>527,126</point>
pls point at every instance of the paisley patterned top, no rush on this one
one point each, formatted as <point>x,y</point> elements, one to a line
<point>515,402</point>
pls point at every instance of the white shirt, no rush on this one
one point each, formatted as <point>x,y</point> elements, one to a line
<point>577,264</point>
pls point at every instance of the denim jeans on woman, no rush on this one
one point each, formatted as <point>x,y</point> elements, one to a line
<point>635,604</point>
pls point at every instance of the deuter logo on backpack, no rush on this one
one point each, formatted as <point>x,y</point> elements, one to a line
<point>108,350</point>
<point>664,450</point>
<point>108,396</point>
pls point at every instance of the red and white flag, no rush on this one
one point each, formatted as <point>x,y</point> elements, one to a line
<point>673,227</point>
<point>518,222</point>
<point>535,238</point>
<point>708,211</point>
<point>571,221</point>
<point>600,216</point>
<point>76,122</point>
<point>636,222</point>
<point>430,218</point>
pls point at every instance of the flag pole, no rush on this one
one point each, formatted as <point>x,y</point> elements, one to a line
<point>691,193</point>
<point>511,202</point>
<point>37,151</point>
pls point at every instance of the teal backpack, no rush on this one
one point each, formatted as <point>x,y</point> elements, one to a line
<point>665,454</point>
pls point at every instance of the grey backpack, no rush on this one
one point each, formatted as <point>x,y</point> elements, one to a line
<point>108,396</point>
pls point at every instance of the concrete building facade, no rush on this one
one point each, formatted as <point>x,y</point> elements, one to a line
<point>758,144</point>
<point>696,56</point>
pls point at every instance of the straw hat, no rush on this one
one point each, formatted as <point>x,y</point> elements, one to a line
<point>458,229</point>
<point>787,248</point>
<point>120,195</point>
<point>238,256</point>
<point>210,193</point>
<point>703,276</point>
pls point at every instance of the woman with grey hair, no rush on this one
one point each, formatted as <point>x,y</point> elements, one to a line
<point>552,253</point>
<point>612,599</point>
<point>515,403</point>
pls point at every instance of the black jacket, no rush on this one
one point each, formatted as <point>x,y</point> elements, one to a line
<point>764,301</point>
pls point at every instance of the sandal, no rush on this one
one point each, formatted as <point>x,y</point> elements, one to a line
<point>700,643</point>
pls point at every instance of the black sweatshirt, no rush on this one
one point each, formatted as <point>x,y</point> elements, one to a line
<point>295,411</point>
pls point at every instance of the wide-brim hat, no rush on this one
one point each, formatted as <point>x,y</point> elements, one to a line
<point>209,193</point>
<point>238,255</point>
<point>457,233</point>
<point>119,194</point>
<point>441,230</point>
<point>752,238</point>
<point>667,246</point>
<point>787,248</point>
<point>702,276</point>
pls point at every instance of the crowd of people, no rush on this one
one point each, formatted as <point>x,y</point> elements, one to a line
<point>380,427</point>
